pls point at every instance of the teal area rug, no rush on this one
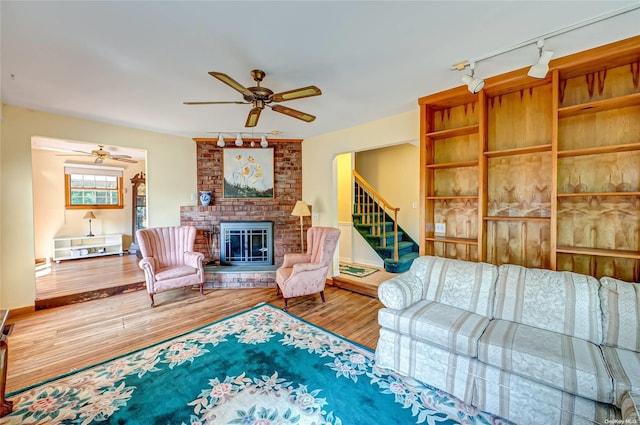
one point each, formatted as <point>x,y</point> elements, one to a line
<point>260,367</point>
<point>356,270</point>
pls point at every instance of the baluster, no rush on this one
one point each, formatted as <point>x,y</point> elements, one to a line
<point>395,235</point>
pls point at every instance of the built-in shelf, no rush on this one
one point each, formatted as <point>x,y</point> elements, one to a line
<point>518,151</point>
<point>599,150</point>
<point>512,218</point>
<point>458,164</point>
<point>453,132</point>
<point>591,194</point>
<point>577,129</point>
<point>452,197</point>
<point>599,105</point>
<point>449,239</point>
<point>600,252</point>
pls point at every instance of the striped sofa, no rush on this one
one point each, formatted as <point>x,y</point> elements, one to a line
<point>532,346</point>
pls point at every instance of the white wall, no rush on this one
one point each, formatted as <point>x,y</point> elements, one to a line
<point>171,179</point>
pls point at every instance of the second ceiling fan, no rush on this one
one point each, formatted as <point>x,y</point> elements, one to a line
<point>260,97</point>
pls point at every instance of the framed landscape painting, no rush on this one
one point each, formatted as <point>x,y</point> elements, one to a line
<point>248,173</point>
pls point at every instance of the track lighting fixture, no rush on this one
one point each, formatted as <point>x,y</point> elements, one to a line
<point>264,142</point>
<point>541,68</point>
<point>473,84</point>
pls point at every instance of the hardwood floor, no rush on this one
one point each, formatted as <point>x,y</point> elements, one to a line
<point>55,341</point>
<point>81,280</point>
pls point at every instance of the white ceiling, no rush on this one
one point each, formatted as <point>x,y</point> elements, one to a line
<point>133,63</point>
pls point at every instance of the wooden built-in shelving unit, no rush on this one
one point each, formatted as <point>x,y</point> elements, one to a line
<point>539,172</point>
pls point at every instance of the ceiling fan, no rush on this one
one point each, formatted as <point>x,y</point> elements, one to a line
<point>260,97</point>
<point>100,154</point>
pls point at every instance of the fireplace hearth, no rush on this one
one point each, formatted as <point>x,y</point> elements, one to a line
<point>244,243</point>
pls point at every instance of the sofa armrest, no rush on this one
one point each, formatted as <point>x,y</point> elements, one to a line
<point>193,259</point>
<point>291,259</point>
<point>401,291</point>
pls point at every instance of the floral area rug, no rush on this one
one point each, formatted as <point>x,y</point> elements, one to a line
<point>259,367</point>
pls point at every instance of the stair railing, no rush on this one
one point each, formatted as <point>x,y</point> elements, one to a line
<point>373,209</point>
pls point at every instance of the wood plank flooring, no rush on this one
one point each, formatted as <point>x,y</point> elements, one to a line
<point>72,276</point>
<point>51,342</point>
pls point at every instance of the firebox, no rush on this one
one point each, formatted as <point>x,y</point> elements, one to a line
<point>246,243</point>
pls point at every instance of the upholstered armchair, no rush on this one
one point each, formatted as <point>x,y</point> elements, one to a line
<point>304,274</point>
<point>168,259</point>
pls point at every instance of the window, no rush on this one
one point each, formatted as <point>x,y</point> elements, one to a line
<point>88,186</point>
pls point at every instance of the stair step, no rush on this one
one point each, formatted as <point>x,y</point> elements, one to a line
<point>404,247</point>
<point>402,265</point>
<point>368,227</point>
<point>377,240</point>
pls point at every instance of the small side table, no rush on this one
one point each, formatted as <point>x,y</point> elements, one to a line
<point>6,406</point>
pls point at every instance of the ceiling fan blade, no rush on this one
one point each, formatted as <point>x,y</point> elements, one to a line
<point>231,83</point>
<point>120,156</point>
<point>131,161</point>
<point>215,103</point>
<point>293,113</point>
<point>296,94</point>
<point>252,119</point>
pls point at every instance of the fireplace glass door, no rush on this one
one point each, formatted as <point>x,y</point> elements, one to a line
<point>246,243</point>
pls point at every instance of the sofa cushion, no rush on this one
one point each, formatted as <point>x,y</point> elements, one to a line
<point>620,302</point>
<point>570,364</point>
<point>562,302</point>
<point>174,272</point>
<point>525,401</point>
<point>463,284</point>
<point>428,363</point>
<point>624,366</point>
<point>439,324</point>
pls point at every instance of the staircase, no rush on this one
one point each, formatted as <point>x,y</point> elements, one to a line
<point>377,221</point>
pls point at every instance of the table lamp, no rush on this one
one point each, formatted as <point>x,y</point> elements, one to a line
<point>89,216</point>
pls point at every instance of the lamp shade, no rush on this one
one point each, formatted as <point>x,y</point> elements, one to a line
<point>541,68</point>
<point>301,209</point>
<point>89,215</point>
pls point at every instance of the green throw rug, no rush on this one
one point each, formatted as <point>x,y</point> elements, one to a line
<point>357,271</point>
<point>259,367</point>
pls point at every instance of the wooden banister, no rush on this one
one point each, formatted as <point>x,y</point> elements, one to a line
<point>374,210</point>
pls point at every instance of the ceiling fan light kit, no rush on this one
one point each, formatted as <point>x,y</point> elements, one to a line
<point>260,97</point>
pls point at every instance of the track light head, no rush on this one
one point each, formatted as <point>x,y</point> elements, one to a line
<point>220,140</point>
<point>541,68</point>
<point>238,140</point>
<point>474,85</point>
<point>263,141</point>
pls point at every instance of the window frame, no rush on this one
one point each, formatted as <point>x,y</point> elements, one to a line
<point>93,170</point>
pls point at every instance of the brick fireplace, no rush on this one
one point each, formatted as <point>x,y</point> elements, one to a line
<point>207,219</point>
